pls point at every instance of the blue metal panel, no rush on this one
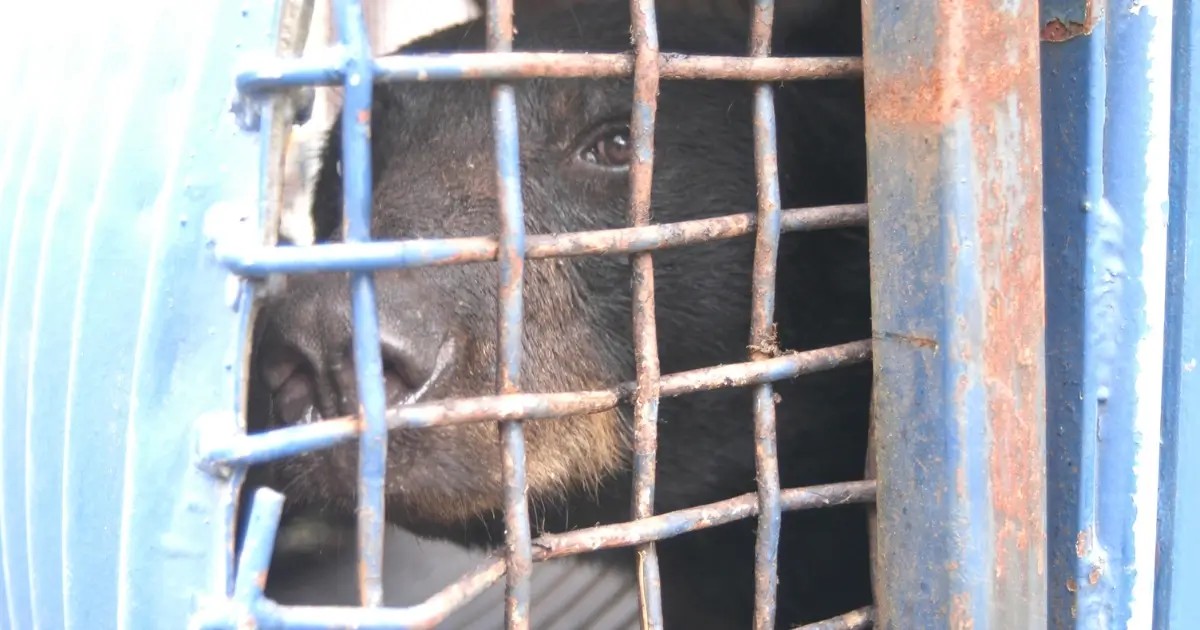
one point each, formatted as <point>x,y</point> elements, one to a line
<point>1178,571</point>
<point>116,143</point>
<point>955,193</point>
<point>1106,212</point>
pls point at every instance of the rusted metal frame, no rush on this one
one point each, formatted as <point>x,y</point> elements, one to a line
<point>368,364</point>
<point>277,74</point>
<point>435,609</point>
<point>377,255</point>
<point>518,553</point>
<point>955,187</point>
<point>644,23</point>
<point>763,341</point>
<point>860,619</point>
<point>244,450</point>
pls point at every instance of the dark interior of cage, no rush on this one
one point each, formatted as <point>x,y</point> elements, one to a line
<point>316,557</point>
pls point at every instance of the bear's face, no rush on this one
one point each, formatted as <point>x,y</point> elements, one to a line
<point>435,177</point>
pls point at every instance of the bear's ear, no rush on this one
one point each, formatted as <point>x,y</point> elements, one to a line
<point>802,27</point>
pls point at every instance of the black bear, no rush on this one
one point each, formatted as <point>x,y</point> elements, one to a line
<point>435,177</point>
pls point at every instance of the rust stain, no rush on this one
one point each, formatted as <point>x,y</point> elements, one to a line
<point>914,340</point>
<point>1094,576</point>
<point>1081,543</point>
<point>1005,127</point>
<point>960,612</point>
<point>1072,585</point>
<point>962,75</point>
<point>1059,30</point>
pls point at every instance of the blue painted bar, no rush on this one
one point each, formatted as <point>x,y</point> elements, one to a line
<point>1178,572</point>
<point>955,196</point>
<point>276,74</point>
<point>256,261</point>
<point>1106,80</point>
<point>356,159</point>
<point>255,559</point>
<point>1073,90</point>
<point>259,448</point>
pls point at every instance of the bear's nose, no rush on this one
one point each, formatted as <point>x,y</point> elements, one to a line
<point>305,388</point>
<point>306,357</point>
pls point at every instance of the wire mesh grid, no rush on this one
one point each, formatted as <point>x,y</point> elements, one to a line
<point>357,71</point>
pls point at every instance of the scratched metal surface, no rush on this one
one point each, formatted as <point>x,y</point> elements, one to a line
<point>955,195</point>
<point>1107,94</point>
<point>117,334</point>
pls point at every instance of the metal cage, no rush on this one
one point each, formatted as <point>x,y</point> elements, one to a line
<point>1016,420</point>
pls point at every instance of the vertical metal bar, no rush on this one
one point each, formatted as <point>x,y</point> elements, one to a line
<point>356,170</point>
<point>644,21</point>
<point>255,560</point>
<point>1131,290</point>
<point>518,545</point>
<point>763,343</point>
<point>1178,572</point>
<point>1073,87</point>
<point>955,188</point>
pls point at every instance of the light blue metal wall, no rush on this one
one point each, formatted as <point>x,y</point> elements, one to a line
<point>116,329</point>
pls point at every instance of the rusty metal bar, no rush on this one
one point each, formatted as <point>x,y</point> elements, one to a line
<point>518,553</point>
<point>276,74</point>
<point>434,610</point>
<point>696,518</point>
<point>958,313</point>
<point>860,619</point>
<point>243,450</point>
<point>368,364</point>
<point>763,342</point>
<point>645,329</point>
<point>380,255</point>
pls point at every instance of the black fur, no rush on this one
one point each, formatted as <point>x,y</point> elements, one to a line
<point>434,176</point>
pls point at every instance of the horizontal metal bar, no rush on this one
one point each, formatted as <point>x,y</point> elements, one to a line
<point>259,261</point>
<point>679,522</point>
<point>860,619</point>
<point>246,450</point>
<point>434,610</point>
<point>276,74</point>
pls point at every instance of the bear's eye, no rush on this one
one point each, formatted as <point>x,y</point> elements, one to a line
<point>611,147</point>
